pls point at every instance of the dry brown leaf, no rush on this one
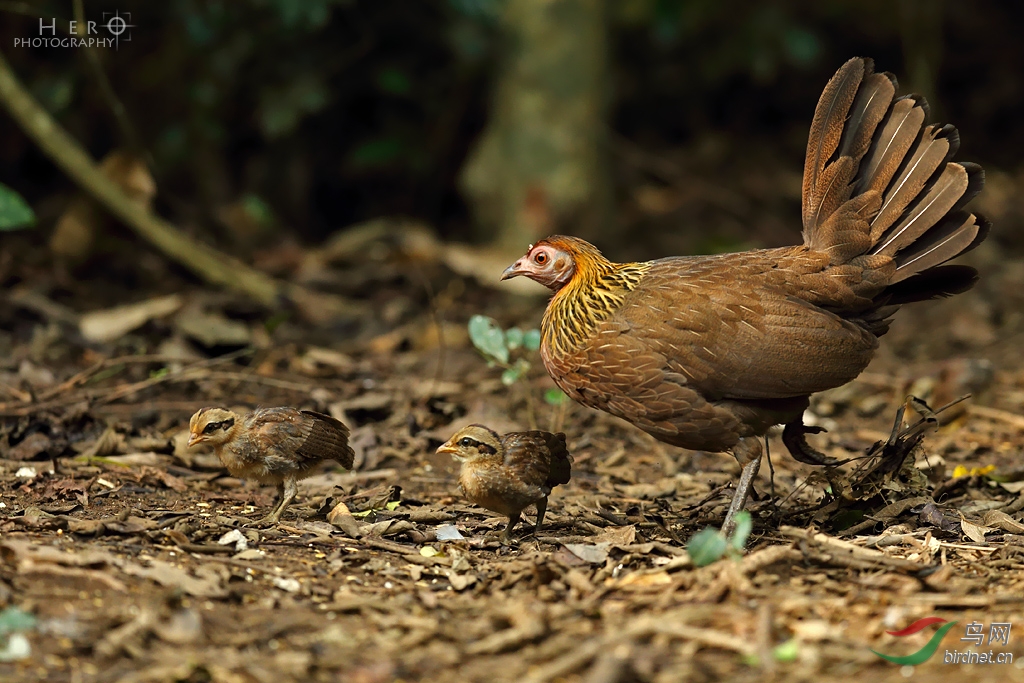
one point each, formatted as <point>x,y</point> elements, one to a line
<point>113,323</point>
<point>207,583</point>
<point>1001,520</point>
<point>973,531</point>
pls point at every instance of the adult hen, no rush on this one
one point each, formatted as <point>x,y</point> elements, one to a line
<point>709,352</point>
<point>508,473</point>
<point>272,445</point>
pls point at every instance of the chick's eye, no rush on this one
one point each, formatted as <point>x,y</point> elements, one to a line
<point>210,428</point>
<point>540,258</point>
<point>466,442</point>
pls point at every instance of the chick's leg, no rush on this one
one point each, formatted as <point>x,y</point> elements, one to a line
<point>748,452</point>
<point>542,507</point>
<point>287,490</point>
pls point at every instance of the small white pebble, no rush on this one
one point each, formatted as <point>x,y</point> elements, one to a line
<point>389,585</point>
<point>104,482</point>
<point>237,537</point>
<point>287,585</point>
<point>26,473</point>
<point>17,648</point>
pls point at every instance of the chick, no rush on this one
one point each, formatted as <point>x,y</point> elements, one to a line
<point>272,445</point>
<point>508,473</point>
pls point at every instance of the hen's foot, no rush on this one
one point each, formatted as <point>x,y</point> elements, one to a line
<point>793,436</point>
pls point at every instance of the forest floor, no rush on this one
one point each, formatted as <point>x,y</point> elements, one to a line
<point>131,553</point>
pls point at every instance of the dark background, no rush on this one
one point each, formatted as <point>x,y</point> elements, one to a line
<point>313,116</point>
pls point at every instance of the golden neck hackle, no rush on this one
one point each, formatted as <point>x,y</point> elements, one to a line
<point>596,290</point>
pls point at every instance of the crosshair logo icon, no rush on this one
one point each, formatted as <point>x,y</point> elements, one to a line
<point>117,24</point>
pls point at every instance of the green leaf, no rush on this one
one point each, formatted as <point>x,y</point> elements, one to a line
<point>258,210</point>
<point>706,546</point>
<point>274,321</point>
<point>787,651</point>
<point>488,338</point>
<point>394,81</point>
<point>13,619</point>
<point>393,505</point>
<point>15,213</point>
<point>376,153</point>
<point>531,340</point>
<point>744,524</point>
<point>555,397</point>
<point>512,374</point>
<point>513,338</point>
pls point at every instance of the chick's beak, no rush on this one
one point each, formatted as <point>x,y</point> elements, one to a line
<point>446,448</point>
<point>514,270</point>
<point>193,439</point>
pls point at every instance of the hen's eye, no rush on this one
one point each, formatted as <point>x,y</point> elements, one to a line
<point>540,258</point>
<point>466,442</point>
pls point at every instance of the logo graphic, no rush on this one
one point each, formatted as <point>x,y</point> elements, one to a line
<point>111,32</point>
<point>925,653</point>
<point>117,24</point>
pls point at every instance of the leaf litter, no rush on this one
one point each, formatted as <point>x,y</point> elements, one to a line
<point>132,555</point>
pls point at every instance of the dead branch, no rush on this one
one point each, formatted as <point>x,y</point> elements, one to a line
<point>202,259</point>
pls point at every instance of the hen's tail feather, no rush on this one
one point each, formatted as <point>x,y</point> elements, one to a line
<point>878,181</point>
<point>956,234</point>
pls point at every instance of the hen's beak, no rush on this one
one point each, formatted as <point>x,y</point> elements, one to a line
<point>514,270</point>
<point>447,448</point>
<point>193,439</point>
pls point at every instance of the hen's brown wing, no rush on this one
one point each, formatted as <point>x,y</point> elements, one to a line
<point>739,326</point>
<point>531,457</point>
<point>700,352</point>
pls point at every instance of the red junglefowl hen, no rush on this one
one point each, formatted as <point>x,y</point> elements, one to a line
<point>709,352</point>
<point>506,474</point>
<point>272,445</point>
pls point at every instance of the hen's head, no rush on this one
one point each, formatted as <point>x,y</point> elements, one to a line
<point>474,442</point>
<point>554,261</point>
<point>215,426</point>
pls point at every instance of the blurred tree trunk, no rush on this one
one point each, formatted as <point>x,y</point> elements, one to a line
<point>540,164</point>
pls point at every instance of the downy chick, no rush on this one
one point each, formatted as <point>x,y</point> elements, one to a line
<point>506,474</point>
<point>272,445</point>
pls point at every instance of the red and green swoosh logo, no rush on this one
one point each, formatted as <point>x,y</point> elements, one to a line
<point>925,653</point>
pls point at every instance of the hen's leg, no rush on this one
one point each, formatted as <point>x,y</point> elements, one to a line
<point>542,507</point>
<point>748,452</point>
<point>512,521</point>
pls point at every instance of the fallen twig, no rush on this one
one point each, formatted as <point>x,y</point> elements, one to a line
<point>997,415</point>
<point>827,549</point>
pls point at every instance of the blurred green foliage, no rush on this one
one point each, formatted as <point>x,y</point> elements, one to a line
<point>498,347</point>
<point>709,545</point>
<point>15,213</point>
